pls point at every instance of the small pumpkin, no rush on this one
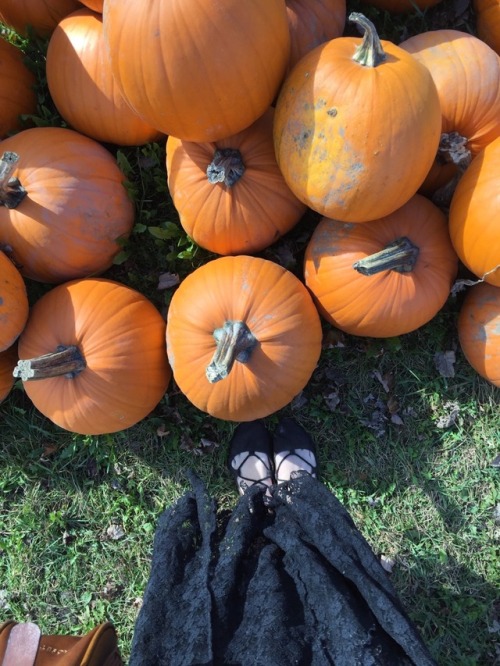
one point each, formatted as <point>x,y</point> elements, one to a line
<point>474,215</point>
<point>17,96</point>
<point>243,337</point>
<point>479,330</point>
<point>209,69</point>
<point>93,357</point>
<point>8,360</point>
<point>14,305</point>
<point>230,195</point>
<point>384,278</point>
<point>41,16</point>
<point>311,23</point>
<point>466,72</point>
<point>488,22</point>
<point>356,118</point>
<point>64,207</point>
<point>77,60</point>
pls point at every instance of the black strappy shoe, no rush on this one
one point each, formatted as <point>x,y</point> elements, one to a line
<point>251,456</point>
<point>294,451</point>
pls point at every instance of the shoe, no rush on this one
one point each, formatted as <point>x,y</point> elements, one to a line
<point>294,452</point>
<point>251,456</point>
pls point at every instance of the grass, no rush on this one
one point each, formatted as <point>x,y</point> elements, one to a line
<point>408,451</point>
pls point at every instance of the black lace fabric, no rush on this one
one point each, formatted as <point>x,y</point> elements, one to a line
<point>295,585</point>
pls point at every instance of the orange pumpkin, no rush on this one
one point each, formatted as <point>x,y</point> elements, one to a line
<point>479,330</point>
<point>230,195</point>
<point>14,306</point>
<point>77,59</point>
<point>65,215</point>
<point>313,22</point>
<point>96,349</point>
<point>8,360</point>
<point>474,215</point>
<point>488,22</point>
<point>384,278</point>
<point>95,5</point>
<point>209,70</point>
<point>243,337</point>
<point>348,117</point>
<point>17,95</point>
<point>42,16</point>
<point>467,76</point>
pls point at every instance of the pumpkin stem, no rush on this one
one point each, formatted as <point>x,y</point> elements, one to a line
<point>370,52</point>
<point>226,167</point>
<point>400,256</point>
<point>66,360</point>
<point>11,190</point>
<point>235,342</point>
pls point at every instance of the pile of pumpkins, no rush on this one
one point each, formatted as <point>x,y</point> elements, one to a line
<point>266,111</point>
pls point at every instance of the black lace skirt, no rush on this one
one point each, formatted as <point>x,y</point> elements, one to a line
<point>297,585</point>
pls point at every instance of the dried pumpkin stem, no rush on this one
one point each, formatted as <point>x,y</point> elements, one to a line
<point>11,190</point>
<point>453,149</point>
<point>400,256</point>
<point>370,52</point>
<point>67,361</point>
<point>235,342</point>
<point>226,167</point>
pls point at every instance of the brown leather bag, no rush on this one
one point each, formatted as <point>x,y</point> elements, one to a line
<point>22,644</point>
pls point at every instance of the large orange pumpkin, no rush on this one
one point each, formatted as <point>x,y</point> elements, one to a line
<point>196,69</point>
<point>13,303</point>
<point>230,195</point>
<point>95,5</point>
<point>17,96</point>
<point>243,337</point>
<point>479,330</point>
<point>488,22</point>
<point>467,76</point>
<point>8,360</point>
<point>357,127</point>
<point>93,356</point>
<point>313,22</point>
<point>474,215</point>
<point>82,86</point>
<point>65,215</point>
<point>42,16</point>
<point>386,277</point>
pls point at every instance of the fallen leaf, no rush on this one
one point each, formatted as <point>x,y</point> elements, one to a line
<point>167,280</point>
<point>387,380</point>
<point>115,532</point>
<point>444,362</point>
<point>387,563</point>
<point>396,419</point>
<point>448,419</point>
<point>162,431</point>
<point>332,400</point>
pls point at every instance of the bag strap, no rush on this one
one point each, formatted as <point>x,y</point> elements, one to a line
<point>22,645</point>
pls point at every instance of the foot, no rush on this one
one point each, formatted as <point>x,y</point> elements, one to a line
<point>250,456</point>
<point>294,452</point>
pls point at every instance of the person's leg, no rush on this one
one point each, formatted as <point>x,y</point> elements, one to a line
<point>250,456</point>
<point>294,451</point>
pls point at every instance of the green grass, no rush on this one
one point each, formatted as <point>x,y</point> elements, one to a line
<point>422,494</point>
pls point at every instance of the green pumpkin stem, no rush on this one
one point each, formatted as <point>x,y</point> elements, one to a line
<point>67,361</point>
<point>235,342</point>
<point>400,256</point>
<point>11,190</point>
<point>370,52</point>
<point>226,167</point>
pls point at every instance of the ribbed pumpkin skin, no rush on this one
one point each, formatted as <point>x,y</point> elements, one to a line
<point>280,313</point>
<point>77,59</point>
<point>344,132</point>
<point>14,306</point>
<point>16,89</point>
<point>41,15</point>
<point>467,76</point>
<point>122,337</point>
<point>95,5</point>
<point>240,219</point>
<point>488,22</point>
<point>209,69</point>
<point>389,303</point>
<point>75,210</point>
<point>313,22</point>
<point>474,215</point>
<point>8,360</point>
<point>479,330</point>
